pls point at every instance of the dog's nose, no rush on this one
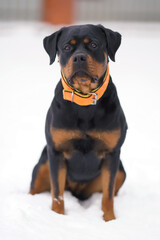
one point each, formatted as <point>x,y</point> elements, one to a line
<point>79,58</point>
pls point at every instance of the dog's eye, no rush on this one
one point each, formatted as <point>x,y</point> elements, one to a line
<point>93,45</point>
<point>67,47</point>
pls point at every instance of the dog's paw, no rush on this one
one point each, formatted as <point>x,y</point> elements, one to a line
<point>108,216</point>
<point>58,205</point>
<point>32,192</point>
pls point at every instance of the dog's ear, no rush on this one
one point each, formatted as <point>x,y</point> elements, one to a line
<point>50,45</point>
<point>113,41</point>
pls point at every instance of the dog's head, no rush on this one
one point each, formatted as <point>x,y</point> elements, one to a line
<point>83,53</point>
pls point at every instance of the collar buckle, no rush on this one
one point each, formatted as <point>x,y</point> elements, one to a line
<point>94,99</point>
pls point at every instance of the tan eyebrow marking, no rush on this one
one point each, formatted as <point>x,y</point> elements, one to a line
<point>73,41</point>
<point>86,40</point>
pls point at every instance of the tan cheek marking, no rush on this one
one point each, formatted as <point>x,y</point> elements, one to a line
<point>59,136</point>
<point>95,68</point>
<point>110,138</point>
<point>68,68</point>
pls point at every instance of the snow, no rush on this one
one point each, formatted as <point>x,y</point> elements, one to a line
<point>26,90</point>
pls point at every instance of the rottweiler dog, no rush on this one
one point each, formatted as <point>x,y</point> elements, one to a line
<point>85,125</point>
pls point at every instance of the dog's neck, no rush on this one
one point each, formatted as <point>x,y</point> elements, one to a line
<point>74,95</point>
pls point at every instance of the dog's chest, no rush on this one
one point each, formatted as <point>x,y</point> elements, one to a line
<point>98,141</point>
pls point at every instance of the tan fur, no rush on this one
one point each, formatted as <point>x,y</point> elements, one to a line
<point>58,204</point>
<point>107,203</point>
<point>68,69</point>
<point>94,68</point>
<point>110,138</point>
<point>84,87</point>
<point>86,40</point>
<point>60,136</point>
<point>120,177</point>
<point>42,181</point>
<point>73,41</point>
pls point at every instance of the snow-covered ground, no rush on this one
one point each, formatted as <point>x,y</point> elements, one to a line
<point>27,85</point>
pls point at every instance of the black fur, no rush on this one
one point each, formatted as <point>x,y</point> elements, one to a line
<point>106,115</point>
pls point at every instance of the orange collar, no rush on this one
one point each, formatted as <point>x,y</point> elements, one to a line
<point>74,95</point>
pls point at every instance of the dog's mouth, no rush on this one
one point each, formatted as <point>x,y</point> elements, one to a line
<point>83,81</point>
<point>82,76</point>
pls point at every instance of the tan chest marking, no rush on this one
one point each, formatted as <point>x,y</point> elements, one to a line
<point>60,136</point>
<point>110,138</point>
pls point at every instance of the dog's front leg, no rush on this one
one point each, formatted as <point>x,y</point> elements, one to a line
<point>109,170</point>
<point>57,167</point>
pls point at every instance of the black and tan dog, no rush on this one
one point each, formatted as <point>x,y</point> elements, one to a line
<point>85,125</point>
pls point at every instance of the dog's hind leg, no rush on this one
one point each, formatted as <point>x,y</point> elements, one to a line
<point>40,176</point>
<point>120,178</point>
